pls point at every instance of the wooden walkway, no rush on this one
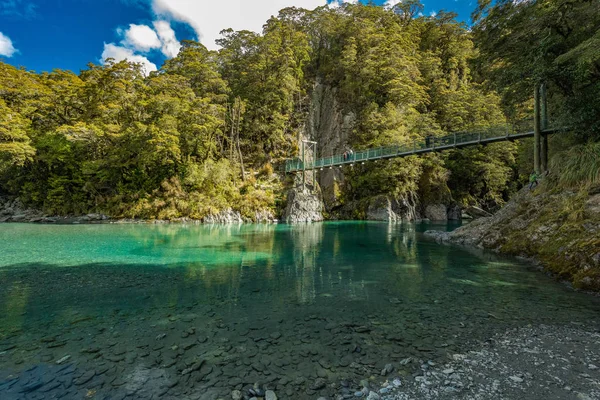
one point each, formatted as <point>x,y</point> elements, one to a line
<point>428,145</point>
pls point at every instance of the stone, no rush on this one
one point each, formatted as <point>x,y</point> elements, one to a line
<point>373,396</point>
<point>270,395</point>
<point>516,379</point>
<point>63,360</point>
<point>448,371</point>
<point>276,335</point>
<point>397,382</point>
<point>30,387</point>
<point>318,384</point>
<point>227,216</point>
<point>85,378</point>
<point>303,207</point>
<point>236,395</point>
<point>454,212</point>
<point>436,212</point>
<point>476,212</point>
<point>388,369</point>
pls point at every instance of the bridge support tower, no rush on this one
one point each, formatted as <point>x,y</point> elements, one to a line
<point>540,125</point>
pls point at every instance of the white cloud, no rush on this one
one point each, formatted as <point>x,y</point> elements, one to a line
<point>170,46</point>
<point>338,3</point>
<point>389,4</point>
<point>119,53</point>
<point>141,38</point>
<point>209,17</point>
<point>6,46</point>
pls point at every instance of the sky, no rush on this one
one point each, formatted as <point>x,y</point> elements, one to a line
<point>42,35</point>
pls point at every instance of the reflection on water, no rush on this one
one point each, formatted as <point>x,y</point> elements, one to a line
<point>277,304</point>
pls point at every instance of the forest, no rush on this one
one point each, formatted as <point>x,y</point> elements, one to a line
<point>211,129</point>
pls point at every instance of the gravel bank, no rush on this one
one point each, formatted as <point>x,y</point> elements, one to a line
<point>534,362</point>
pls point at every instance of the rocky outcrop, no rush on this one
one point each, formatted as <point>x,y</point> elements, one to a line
<point>331,128</point>
<point>380,209</point>
<point>13,210</point>
<point>436,212</point>
<point>303,206</point>
<point>454,212</point>
<point>476,212</point>
<point>385,208</point>
<point>224,217</point>
<point>560,230</point>
<point>264,216</point>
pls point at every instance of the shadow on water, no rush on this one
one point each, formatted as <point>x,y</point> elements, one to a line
<point>196,309</point>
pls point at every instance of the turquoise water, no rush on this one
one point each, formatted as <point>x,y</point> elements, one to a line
<point>136,308</point>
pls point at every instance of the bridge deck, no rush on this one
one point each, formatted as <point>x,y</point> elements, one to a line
<point>429,145</point>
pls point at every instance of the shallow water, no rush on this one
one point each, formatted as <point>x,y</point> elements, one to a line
<point>186,311</point>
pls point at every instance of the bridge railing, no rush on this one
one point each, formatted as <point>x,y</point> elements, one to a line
<point>428,144</point>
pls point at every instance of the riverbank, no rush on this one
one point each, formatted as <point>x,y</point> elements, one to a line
<point>13,210</point>
<point>541,362</point>
<point>559,230</point>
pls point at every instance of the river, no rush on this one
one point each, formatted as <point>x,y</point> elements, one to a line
<point>192,311</point>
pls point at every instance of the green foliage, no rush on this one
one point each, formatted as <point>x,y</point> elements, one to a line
<point>174,144</point>
<point>15,145</point>
<point>524,43</point>
<point>576,167</point>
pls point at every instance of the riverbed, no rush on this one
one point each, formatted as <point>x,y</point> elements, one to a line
<point>189,311</point>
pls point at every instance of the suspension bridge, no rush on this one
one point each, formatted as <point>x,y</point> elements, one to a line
<point>428,145</point>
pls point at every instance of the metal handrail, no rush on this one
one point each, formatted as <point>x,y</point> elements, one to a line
<point>429,144</point>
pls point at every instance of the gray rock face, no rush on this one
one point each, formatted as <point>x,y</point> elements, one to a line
<point>330,127</point>
<point>454,213</point>
<point>380,209</point>
<point>224,217</point>
<point>476,212</point>
<point>384,208</point>
<point>13,210</point>
<point>303,207</point>
<point>264,216</point>
<point>436,212</point>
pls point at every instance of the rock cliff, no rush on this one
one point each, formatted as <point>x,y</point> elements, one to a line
<point>303,206</point>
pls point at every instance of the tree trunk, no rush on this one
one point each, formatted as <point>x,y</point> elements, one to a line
<point>237,136</point>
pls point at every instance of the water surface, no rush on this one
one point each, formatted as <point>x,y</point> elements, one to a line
<point>189,311</point>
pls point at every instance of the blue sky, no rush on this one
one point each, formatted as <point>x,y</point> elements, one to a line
<point>42,35</point>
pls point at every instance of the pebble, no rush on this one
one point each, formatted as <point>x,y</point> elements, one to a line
<point>448,371</point>
<point>373,396</point>
<point>397,382</point>
<point>62,360</point>
<point>236,395</point>
<point>270,395</point>
<point>516,379</point>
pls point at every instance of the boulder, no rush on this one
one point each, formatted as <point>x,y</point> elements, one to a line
<point>436,212</point>
<point>454,213</point>
<point>380,209</point>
